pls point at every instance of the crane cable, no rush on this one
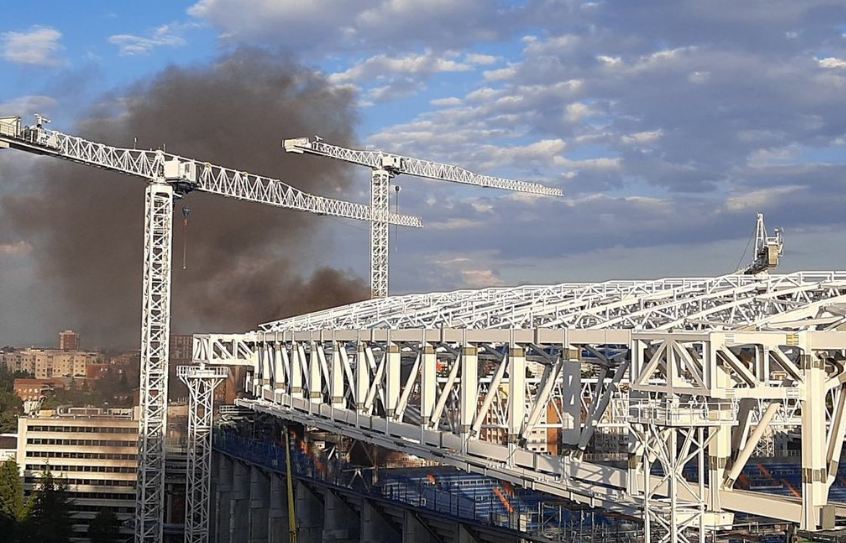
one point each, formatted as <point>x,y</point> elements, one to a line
<point>186,212</point>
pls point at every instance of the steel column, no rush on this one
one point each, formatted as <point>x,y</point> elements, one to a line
<point>155,338</point>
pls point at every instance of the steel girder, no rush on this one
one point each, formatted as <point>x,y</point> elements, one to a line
<point>726,302</point>
<point>435,393</point>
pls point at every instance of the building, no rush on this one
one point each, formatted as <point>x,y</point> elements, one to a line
<point>68,341</point>
<point>93,450</point>
<point>8,446</point>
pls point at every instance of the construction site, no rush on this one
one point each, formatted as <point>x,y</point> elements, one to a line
<point>667,410</point>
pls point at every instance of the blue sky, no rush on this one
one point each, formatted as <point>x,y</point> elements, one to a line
<point>668,124</point>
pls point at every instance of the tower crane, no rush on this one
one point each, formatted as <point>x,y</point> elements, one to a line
<point>383,167</point>
<point>167,175</point>
<point>768,249</point>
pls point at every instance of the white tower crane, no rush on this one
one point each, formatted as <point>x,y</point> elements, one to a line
<point>384,166</point>
<point>768,249</point>
<point>167,175</point>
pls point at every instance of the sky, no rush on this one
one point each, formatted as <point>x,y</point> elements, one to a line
<point>668,124</point>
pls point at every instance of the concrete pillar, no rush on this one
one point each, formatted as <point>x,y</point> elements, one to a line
<point>296,377</point>
<point>465,536</point>
<point>413,530</point>
<point>392,379</point>
<point>428,383</point>
<point>814,491</point>
<point>309,514</point>
<point>362,377</point>
<point>469,393</point>
<point>336,376</point>
<point>516,393</point>
<point>239,506</point>
<point>340,522</point>
<point>374,527</point>
<point>315,380</point>
<point>259,505</point>
<point>277,514</point>
<point>222,499</point>
<point>571,376</point>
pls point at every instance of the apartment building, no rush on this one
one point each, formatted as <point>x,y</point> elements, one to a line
<point>93,450</point>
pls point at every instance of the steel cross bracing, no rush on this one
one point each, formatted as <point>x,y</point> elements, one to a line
<point>437,393</point>
<point>398,164</point>
<point>209,177</point>
<point>731,301</point>
<point>155,340</point>
<point>166,174</point>
<point>386,165</point>
<point>201,382</point>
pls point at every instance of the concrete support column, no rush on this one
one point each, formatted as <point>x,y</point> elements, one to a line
<point>279,378</point>
<point>814,491</point>
<point>392,379</point>
<point>374,527</point>
<point>362,377</point>
<point>571,385</point>
<point>340,522</point>
<point>428,383</point>
<point>516,393</point>
<point>413,530</point>
<point>309,510</point>
<point>296,377</point>
<point>336,376</point>
<point>239,506</point>
<point>719,450</point>
<point>465,536</point>
<point>223,499</point>
<point>259,505</point>
<point>315,381</point>
<point>469,390</point>
<point>277,514</point>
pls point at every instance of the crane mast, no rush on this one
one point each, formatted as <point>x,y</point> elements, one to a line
<point>383,167</point>
<point>768,249</point>
<point>167,175</point>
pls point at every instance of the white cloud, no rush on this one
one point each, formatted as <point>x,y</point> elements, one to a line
<point>640,138</point>
<point>163,36</point>
<point>15,248</point>
<point>832,63</point>
<point>451,101</point>
<point>757,200</point>
<point>38,46</point>
<point>371,25</point>
<point>500,74</point>
<point>24,106</point>
<point>480,59</point>
<point>383,66</point>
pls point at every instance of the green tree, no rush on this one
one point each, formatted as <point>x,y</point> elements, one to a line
<point>105,528</point>
<point>10,405</point>
<point>12,501</point>
<point>49,521</point>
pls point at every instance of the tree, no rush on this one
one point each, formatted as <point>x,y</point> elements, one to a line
<point>50,520</point>
<point>12,501</point>
<point>105,528</point>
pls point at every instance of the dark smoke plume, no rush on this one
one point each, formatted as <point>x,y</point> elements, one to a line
<point>245,260</point>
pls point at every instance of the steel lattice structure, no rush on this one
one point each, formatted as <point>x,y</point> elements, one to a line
<point>726,302</point>
<point>166,175</point>
<point>384,166</point>
<point>155,341</point>
<point>703,365</point>
<point>201,382</point>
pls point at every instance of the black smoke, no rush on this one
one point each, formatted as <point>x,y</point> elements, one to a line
<point>245,261</point>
